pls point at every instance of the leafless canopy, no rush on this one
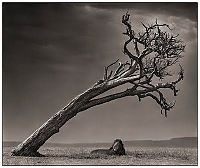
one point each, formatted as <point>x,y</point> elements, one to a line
<point>151,54</point>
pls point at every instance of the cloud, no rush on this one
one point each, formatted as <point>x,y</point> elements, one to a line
<point>187,10</point>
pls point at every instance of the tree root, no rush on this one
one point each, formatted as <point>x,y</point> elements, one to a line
<point>30,154</point>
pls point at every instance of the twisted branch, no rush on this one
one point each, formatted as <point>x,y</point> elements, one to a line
<point>158,51</point>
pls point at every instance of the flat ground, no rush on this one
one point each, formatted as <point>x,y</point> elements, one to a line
<point>81,156</point>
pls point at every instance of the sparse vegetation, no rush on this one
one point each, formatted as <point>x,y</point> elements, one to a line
<point>82,156</point>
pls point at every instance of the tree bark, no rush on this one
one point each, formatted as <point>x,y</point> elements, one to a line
<point>30,146</point>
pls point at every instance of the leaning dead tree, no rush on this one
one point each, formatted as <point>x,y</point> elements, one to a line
<point>151,54</point>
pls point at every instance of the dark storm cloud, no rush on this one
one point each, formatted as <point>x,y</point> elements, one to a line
<point>62,35</point>
<point>187,10</point>
<point>54,51</point>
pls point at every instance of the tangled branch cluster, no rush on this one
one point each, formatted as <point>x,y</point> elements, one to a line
<point>155,52</point>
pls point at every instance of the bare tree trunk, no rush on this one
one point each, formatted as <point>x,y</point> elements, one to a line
<point>30,146</point>
<point>82,102</point>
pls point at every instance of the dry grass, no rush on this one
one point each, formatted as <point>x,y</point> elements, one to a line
<point>82,156</point>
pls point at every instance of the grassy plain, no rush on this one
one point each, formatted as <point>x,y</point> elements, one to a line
<point>77,155</point>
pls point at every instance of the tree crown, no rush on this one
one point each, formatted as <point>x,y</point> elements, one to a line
<point>154,52</point>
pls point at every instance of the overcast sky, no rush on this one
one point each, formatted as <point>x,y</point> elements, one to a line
<point>54,51</point>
